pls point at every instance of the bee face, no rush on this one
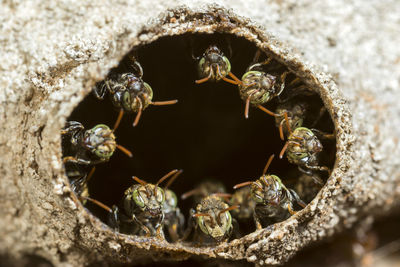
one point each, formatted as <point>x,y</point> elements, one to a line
<point>303,146</point>
<point>100,140</point>
<point>259,86</point>
<point>148,198</point>
<point>134,93</point>
<point>214,221</point>
<point>267,190</point>
<point>214,64</point>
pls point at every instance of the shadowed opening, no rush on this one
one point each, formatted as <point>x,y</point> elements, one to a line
<point>205,133</point>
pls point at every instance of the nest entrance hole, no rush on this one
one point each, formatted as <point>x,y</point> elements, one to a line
<point>205,133</point>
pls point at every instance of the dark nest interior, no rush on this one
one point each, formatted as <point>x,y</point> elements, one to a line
<point>205,133</point>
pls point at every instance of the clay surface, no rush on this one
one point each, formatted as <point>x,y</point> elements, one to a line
<point>52,53</point>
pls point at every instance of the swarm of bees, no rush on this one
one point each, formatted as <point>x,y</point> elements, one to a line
<point>152,210</point>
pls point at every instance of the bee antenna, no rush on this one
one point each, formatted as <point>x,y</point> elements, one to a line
<point>283,150</point>
<point>166,176</point>
<point>281,130</point>
<point>98,203</point>
<point>287,122</point>
<point>225,210</point>
<point>173,178</point>
<point>265,180</point>
<point>163,103</point>
<point>204,79</point>
<point>246,109</point>
<point>139,114</point>
<point>235,78</point>
<point>242,184</point>
<point>139,180</point>
<point>223,195</point>
<point>163,179</point>
<point>202,214</point>
<point>190,193</point>
<point>268,163</point>
<point>294,143</point>
<point>228,209</point>
<point>118,121</point>
<point>266,110</point>
<point>125,150</point>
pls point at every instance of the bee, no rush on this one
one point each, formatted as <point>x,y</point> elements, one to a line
<point>258,87</point>
<point>274,202</point>
<point>143,205</point>
<point>215,66</point>
<point>88,147</point>
<point>212,220</point>
<point>303,148</point>
<point>129,93</point>
<point>288,115</point>
<point>174,220</point>
<point>246,204</point>
<point>80,185</point>
<point>306,187</point>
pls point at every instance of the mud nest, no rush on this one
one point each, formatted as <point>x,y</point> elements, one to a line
<point>206,133</point>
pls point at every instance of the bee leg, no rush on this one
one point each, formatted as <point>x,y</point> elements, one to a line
<point>283,78</point>
<point>319,168</point>
<point>77,160</point>
<point>314,176</point>
<point>137,67</point>
<point>72,127</point>
<point>159,228</point>
<point>257,221</point>
<point>323,135</point>
<point>191,225</point>
<point>142,226</point>
<point>297,198</point>
<point>291,211</point>
<point>160,232</point>
<point>100,90</point>
<point>258,65</point>
<point>114,218</point>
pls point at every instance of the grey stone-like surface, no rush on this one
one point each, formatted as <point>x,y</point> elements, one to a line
<point>53,51</point>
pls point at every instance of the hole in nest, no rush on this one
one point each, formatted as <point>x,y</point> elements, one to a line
<point>205,133</point>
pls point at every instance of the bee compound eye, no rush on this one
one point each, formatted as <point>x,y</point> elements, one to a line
<point>138,198</point>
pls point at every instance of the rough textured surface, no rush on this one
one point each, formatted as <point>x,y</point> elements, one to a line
<point>53,52</point>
